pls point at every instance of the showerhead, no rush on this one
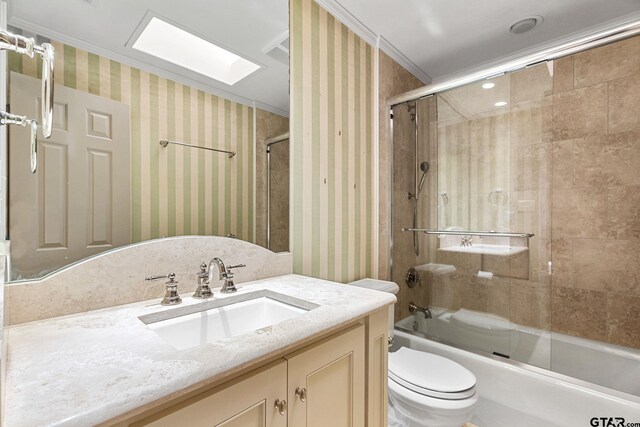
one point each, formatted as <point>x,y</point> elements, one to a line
<point>424,167</point>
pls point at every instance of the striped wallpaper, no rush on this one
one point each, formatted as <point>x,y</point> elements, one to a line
<point>174,190</point>
<point>332,89</point>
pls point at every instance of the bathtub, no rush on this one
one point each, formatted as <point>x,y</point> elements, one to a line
<point>608,365</point>
<point>510,394</point>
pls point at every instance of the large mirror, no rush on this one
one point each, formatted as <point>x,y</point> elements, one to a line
<point>134,82</point>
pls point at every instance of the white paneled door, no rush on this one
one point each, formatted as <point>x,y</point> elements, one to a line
<point>78,203</point>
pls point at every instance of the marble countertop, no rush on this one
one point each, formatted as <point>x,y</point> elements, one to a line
<point>88,368</point>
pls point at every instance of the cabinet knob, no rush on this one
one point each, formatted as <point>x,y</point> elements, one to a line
<point>301,393</point>
<point>281,406</point>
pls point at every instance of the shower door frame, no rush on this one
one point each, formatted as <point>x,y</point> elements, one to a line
<point>269,142</point>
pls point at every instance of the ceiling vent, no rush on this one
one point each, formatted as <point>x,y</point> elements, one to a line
<point>526,24</point>
<point>278,49</point>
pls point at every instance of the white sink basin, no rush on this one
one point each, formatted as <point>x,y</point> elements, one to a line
<point>196,325</point>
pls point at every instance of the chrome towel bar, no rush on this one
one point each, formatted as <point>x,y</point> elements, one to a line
<point>469,233</point>
<point>165,142</point>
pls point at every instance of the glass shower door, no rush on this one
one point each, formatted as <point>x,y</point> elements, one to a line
<point>278,196</point>
<point>489,172</point>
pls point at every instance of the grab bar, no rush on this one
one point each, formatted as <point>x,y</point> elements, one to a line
<point>48,57</point>
<point>14,119</point>
<point>28,46</point>
<point>469,233</point>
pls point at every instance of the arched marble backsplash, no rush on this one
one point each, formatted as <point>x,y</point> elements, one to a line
<point>117,277</point>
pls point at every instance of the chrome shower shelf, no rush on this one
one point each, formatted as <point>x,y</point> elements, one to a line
<point>469,233</point>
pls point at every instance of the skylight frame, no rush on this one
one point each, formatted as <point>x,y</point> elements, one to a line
<point>158,59</point>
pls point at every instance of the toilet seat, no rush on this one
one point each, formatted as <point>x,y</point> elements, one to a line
<point>431,375</point>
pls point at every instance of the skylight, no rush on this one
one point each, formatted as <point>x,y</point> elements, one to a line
<point>173,44</point>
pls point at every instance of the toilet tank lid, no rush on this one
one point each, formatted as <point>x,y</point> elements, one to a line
<point>377,285</point>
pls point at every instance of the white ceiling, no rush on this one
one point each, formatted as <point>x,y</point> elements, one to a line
<point>436,39</point>
<point>445,37</point>
<point>245,27</point>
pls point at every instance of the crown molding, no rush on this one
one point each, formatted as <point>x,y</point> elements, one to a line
<point>270,108</point>
<point>368,35</point>
<point>550,44</point>
<point>401,59</point>
<point>348,19</point>
<point>132,62</point>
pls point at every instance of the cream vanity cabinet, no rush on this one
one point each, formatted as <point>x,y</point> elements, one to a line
<point>338,381</point>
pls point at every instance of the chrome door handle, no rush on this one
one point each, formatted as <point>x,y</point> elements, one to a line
<point>302,394</point>
<point>281,406</point>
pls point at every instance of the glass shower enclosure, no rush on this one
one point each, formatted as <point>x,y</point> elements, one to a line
<point>515,238</point>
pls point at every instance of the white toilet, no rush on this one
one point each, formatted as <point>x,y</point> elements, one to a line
<point>425,389</point>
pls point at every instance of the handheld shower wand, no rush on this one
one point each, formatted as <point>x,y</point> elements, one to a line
<point>424,167</point>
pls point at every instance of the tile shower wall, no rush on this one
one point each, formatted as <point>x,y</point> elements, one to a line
<point>269,125</point>
<point>594,132</point>
<point>331,146</point>
<point>393,80</point>
<point>406,175</point>
<point>175,190</point>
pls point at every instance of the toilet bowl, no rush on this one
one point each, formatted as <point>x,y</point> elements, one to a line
<point>425,390</point>
<point>429,390</point>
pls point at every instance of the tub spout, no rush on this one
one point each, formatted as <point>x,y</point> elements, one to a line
<point>413,308</point>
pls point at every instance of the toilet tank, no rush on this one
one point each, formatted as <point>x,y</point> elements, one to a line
<point>383,286</point>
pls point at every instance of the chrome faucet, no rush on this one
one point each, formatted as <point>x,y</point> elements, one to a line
<point>224,273</point>
<point>413,308</point>
<point>171,296</point>
<point>203,291</point>
<point>466,241</point>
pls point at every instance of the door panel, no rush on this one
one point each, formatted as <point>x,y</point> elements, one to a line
<point>255,416</point>
<point>334,382</point>
<point>332,373</point>
<point>245,402</point>
<point>79,201</point>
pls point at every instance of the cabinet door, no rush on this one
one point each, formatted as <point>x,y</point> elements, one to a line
<point>245,402</point>
<point>329,380</point>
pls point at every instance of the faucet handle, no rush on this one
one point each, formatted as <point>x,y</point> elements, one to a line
<point>203,291</point>
<point>170,276</point>
<point>203,273</point>
<point>171,296</point>
<point>229,267</point>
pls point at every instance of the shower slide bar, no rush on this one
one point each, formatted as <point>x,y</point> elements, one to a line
<point>469,233</point>
<point>28,46</point>
<point>165,142</point>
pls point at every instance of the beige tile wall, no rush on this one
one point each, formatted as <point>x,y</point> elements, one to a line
<point>393,80</point>
<point>595,135</point>
<point>268,125</point>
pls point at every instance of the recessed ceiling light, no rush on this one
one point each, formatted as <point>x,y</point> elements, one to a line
<point>526,24</point>
<point>500,103</point>
<point>488,85</point>
<point>173,44</point>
